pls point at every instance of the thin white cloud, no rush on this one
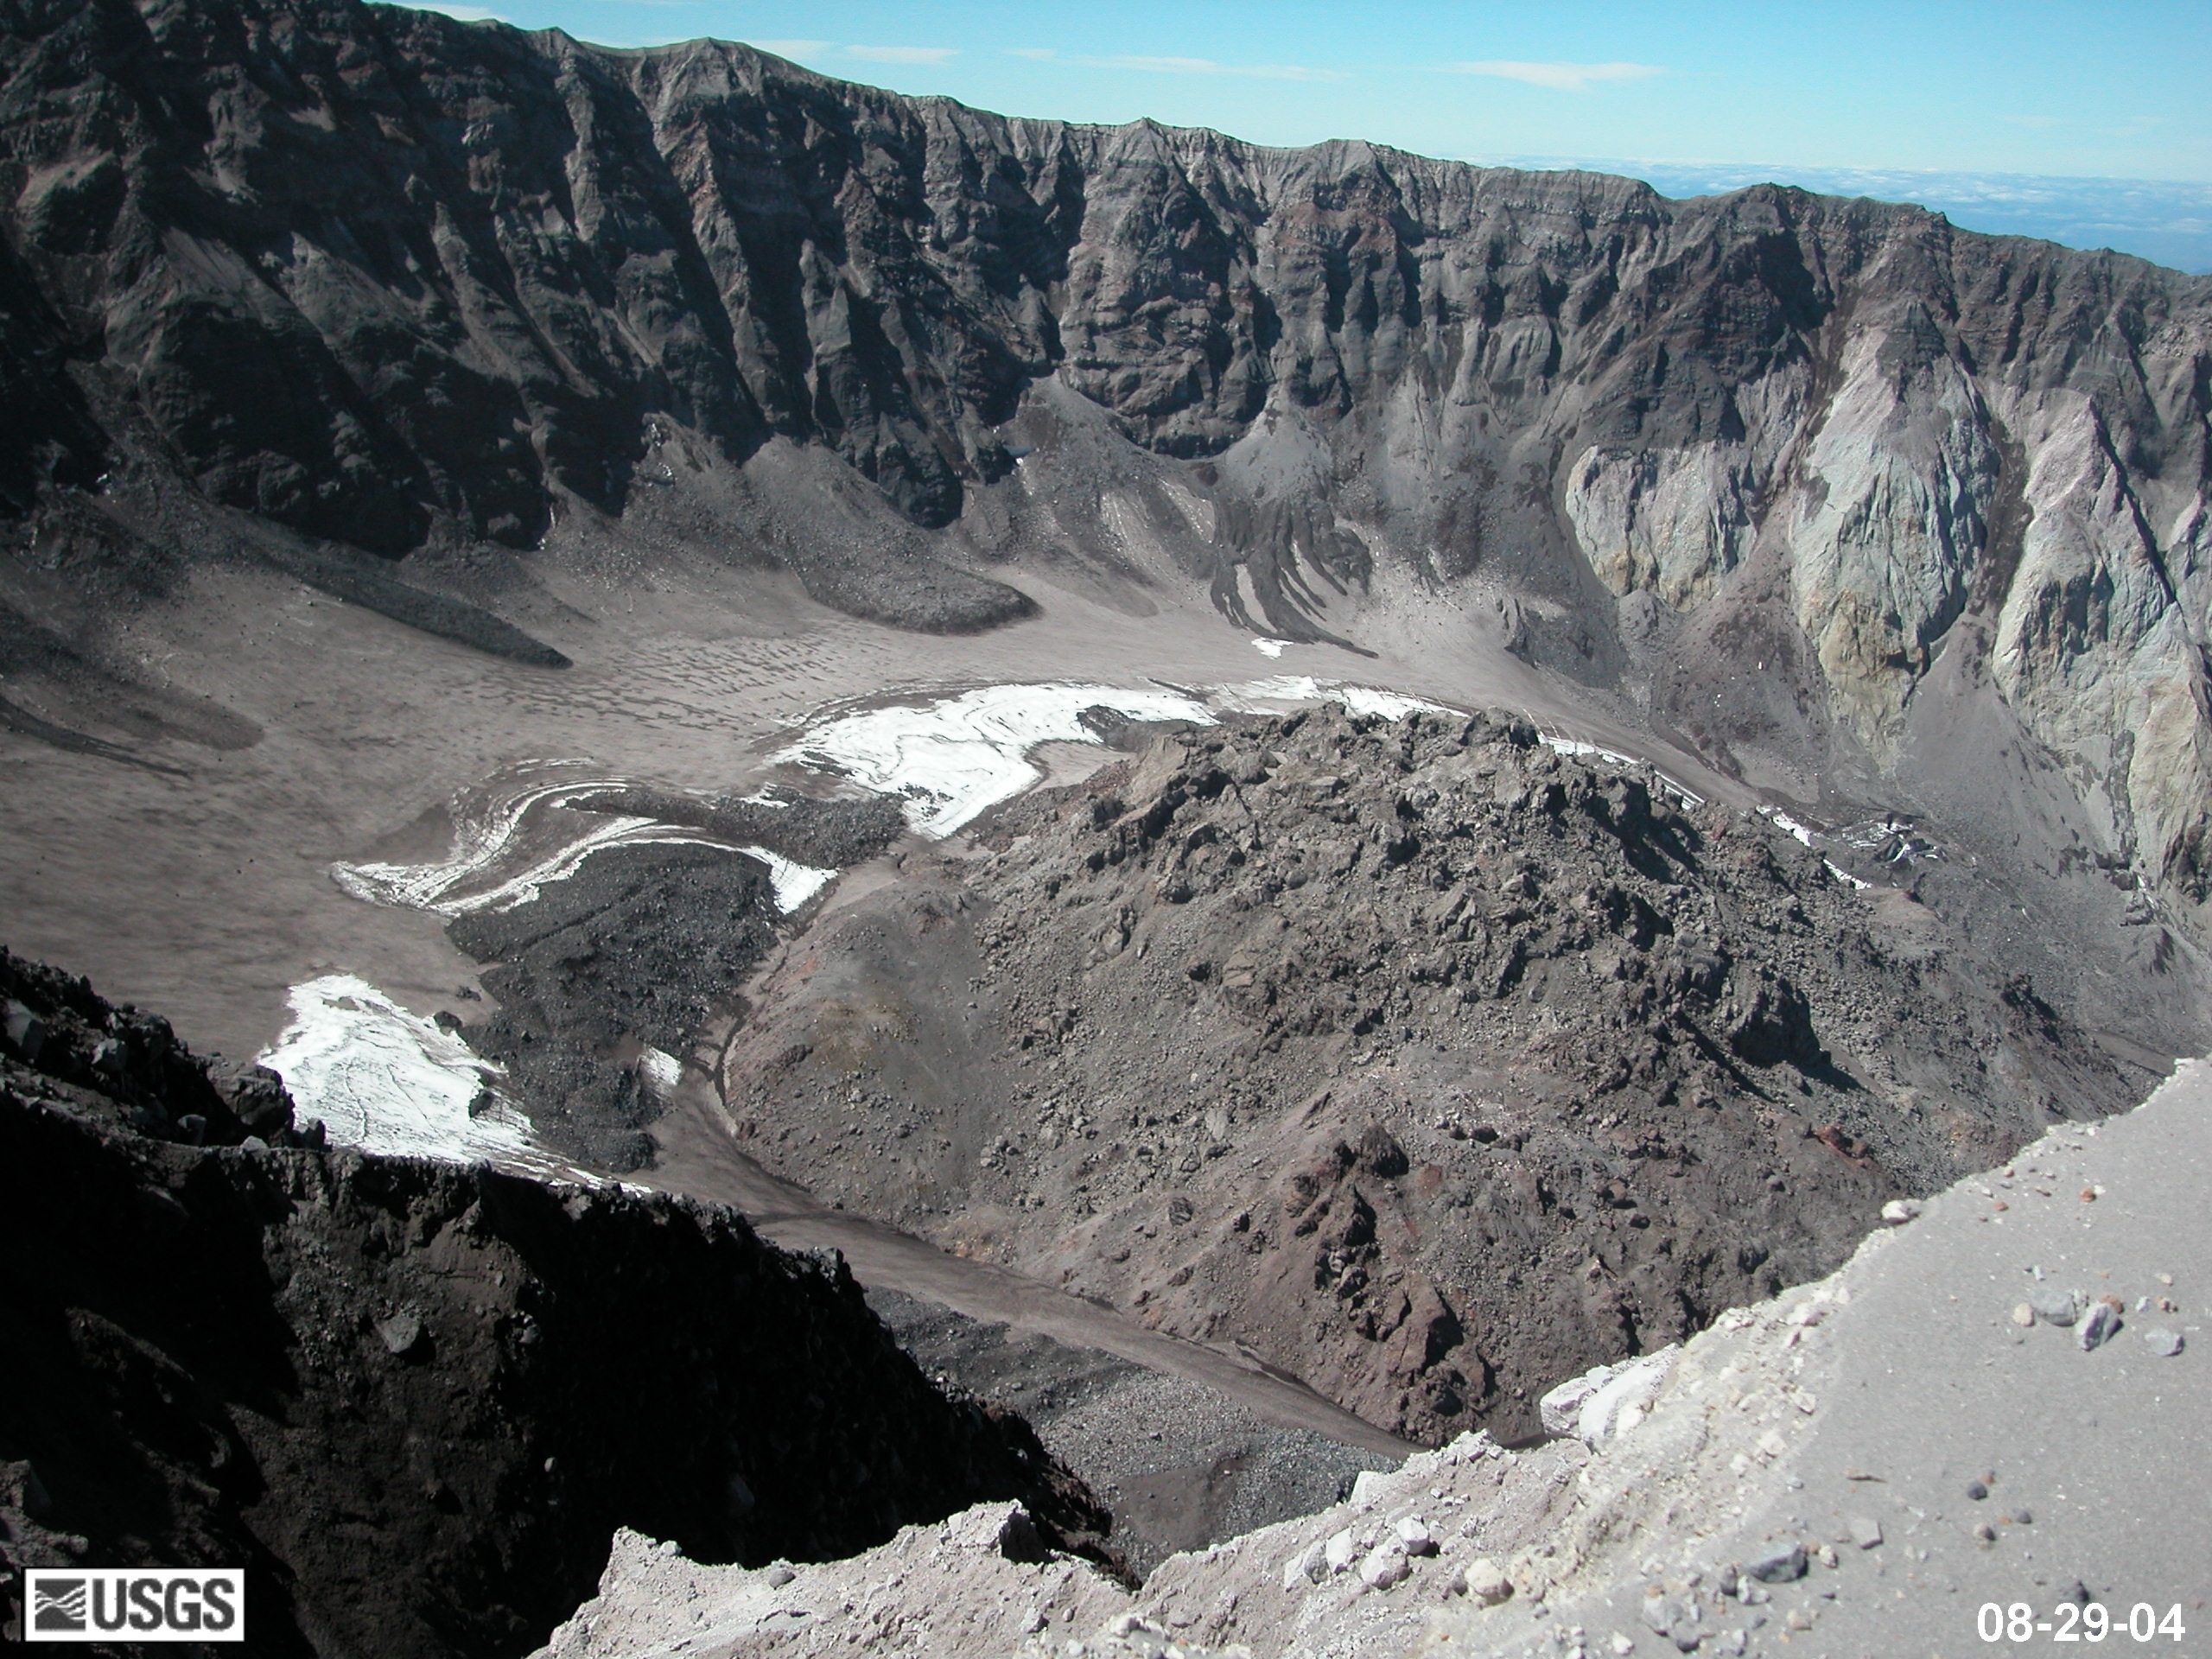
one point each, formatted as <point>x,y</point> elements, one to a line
<point>902,54</point>
<point>1560,77</point>
<point>1162,66</point>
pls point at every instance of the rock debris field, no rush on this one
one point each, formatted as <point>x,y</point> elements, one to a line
<point>1426,1062</point>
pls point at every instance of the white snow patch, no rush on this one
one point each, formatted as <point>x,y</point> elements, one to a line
<point>1782,820</point>
<point>1572,747</point>
<point>1252,695</point>
<point>485,836</point>
<point>1842,874</point>
<point>663,1070</point>
<point>1269,647</point>
<point>387,1080</point>
<point>794,883</point>
<point>957,757</point>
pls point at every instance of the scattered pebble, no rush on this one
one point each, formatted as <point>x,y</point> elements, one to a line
<point>1866,1531</point>
<point>1898,1211</point>
<point>2060,1308</point>
<point>2023,1518</point>
<point>1987,1533</point>
<point>2164,1343</point>
<point>1780,1564</point>
<point>2023,1315</point>
<point>1623,1644</point>
<point>1487,1583</point>
<point>1799,1619</point>
<point>1976,1491</point>
<point>1385,1565</point>
<point>2102,1324</point>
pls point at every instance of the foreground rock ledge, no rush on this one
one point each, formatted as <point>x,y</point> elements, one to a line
<point>415,1401</point>
<point>1802,1466</point>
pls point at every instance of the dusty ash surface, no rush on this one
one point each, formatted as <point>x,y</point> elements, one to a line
<point>1430,1064</point>
<point>1181,1464</point>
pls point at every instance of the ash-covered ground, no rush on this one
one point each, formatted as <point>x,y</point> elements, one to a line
<point>1181,1464</point>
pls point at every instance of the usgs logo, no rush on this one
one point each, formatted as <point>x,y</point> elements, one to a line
<point>134,1603</point>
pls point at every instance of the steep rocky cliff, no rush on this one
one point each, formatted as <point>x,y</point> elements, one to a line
<point>1788,470</point>
<point>415,1401</point>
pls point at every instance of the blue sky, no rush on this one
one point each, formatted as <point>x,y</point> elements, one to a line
<point>1978,108</point>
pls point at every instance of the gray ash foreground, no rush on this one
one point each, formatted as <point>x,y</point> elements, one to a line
<point>414,1400</point>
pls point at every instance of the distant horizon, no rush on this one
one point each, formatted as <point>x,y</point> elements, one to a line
<point>2030,118</point>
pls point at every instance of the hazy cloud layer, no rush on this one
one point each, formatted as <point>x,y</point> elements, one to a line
<point>902,54</point>
<point>1162,66</point>
<point>2166,221</point>
<point>1560,77</point>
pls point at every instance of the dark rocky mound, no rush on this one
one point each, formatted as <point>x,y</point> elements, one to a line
<point>415,1400</point>
<point>1430,1064</point>
<point>640,946</point>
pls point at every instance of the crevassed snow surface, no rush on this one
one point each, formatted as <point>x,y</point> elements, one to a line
<point>957,757</point>
<point>387,1080</point>
<point>1252,695</point>
<point>485,835</point>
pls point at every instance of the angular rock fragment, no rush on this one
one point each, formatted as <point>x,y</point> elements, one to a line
<point>2101,1325</point>
<point>1384,1564</point>
<point>1487,1582</point>
<point>1779,1565</point>
<point>2060,1308</point>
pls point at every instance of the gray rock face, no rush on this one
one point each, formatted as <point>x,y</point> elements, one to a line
<point>382,276</point>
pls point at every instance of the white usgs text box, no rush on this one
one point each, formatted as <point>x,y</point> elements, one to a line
<point>134,1603</point>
